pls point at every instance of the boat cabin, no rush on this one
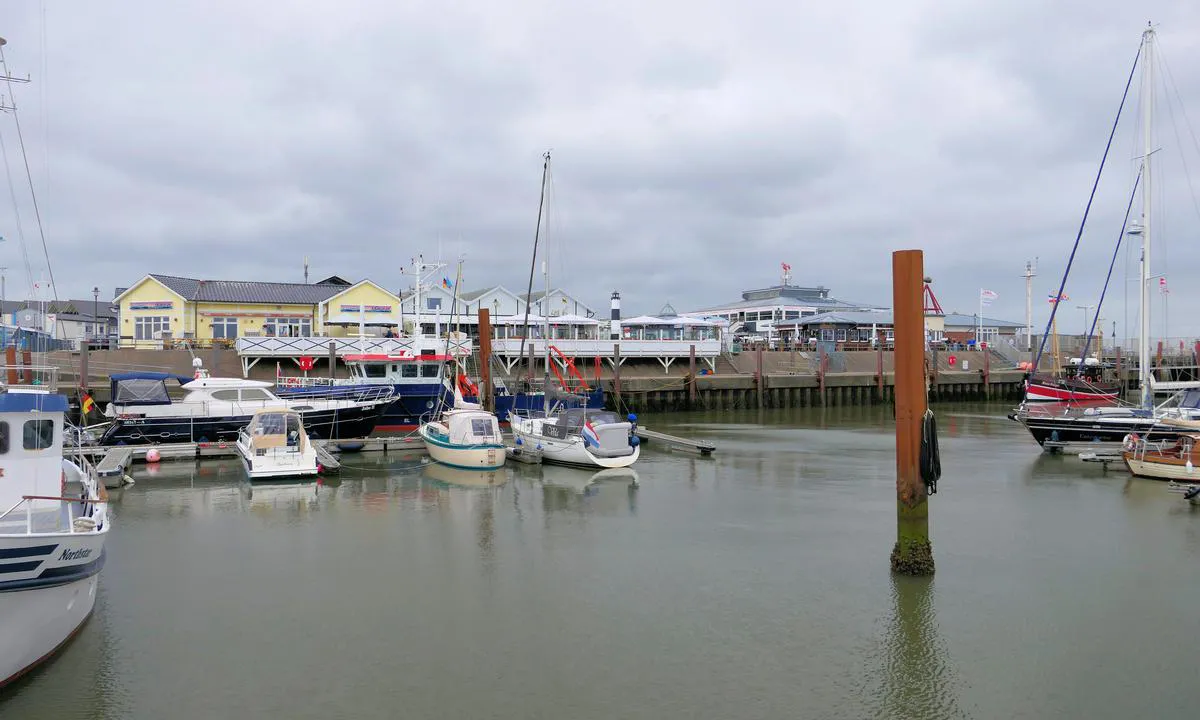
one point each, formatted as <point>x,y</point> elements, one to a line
<point>31,441</point>
<point>276,430</point>
<point>472,427</point>
<point>397,369</point>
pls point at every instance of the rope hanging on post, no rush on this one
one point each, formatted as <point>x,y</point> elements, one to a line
<point>931,458</point>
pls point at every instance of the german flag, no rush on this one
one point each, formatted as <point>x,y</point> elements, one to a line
<point>87,404</point>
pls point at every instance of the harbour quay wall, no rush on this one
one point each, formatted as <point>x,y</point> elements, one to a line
<point>731,392</point>
<point>789,379</point>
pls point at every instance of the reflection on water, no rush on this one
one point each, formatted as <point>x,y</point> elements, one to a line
<point>754,583</point>
<point>911,675</point>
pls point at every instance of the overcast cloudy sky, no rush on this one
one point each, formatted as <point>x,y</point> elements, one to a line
<point>696,144</point>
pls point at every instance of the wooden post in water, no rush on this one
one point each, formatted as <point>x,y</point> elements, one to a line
<point>332,359</point>
<point>913,553</point>
<point>485,359</point>
<point>758,374</point>
<point>692,377</point>
<point>1120,374</point>
<point>84,383</point>
<point>27,365</point>
<point>987,373</point>
<point>879,365</point>
<point>617,374</point>
<point>10,359</point>
<point>533,366</point>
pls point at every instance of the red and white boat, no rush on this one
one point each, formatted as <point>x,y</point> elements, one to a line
<point>1048,388</point>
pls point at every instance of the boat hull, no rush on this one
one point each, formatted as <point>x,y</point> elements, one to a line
<point>1156,468</point>
<point>338,424</point>
<point>1039,392</point>
<point>568,451</point>
<point>1082,434</point>
<point>465,457</point>
<point>45,602</point>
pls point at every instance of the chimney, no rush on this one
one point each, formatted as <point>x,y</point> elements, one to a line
<point>616,316</point>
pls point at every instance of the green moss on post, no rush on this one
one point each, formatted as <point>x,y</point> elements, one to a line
<point>913,553</point>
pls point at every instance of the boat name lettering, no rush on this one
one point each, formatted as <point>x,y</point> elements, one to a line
<point>79,554</point>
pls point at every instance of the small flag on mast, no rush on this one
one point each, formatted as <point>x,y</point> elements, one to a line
<point>987,296</point>
<point>87,404</point>
<point>1162,286</point>
<point>1061,298</point>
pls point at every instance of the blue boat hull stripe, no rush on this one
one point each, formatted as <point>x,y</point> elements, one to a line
<point>32,551</point>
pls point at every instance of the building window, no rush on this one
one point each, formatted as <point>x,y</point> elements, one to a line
<point>150,327</point>
<point>841,334</point>
<point>433,303</point>
<point>38,434</point>
<point>287,327</point>
<point>826,334</point>
<point>807,313</point>
<point>792,315</point>
<point>224,328</point>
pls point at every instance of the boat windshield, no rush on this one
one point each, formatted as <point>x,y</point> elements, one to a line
<point>574,418</point>
<point>1184,399</point>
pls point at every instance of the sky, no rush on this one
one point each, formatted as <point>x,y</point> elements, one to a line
<point>695,146</point>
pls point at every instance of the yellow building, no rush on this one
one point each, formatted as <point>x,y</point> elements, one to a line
<point>160,308</point>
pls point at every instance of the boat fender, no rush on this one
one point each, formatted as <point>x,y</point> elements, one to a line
<point>1189,467</point>
<point>634,441</point>
<point>519,441</point>
<point>931,458</point>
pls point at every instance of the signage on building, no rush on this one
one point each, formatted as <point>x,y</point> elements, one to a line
<point>157,305</point>
<point>366,308</point>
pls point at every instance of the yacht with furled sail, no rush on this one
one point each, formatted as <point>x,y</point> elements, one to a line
<point>1070,427</point>
<point>53,524</point>
<point>581,436</point>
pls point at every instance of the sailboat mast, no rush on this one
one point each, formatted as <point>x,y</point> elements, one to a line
<point>1147,177</point>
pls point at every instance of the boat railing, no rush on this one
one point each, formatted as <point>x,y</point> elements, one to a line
<point>300,381</point>
<point>76,524</point>
<point>355,393</point>
<point>41,377</point>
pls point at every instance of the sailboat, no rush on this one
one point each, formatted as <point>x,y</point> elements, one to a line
<point>465,436</point>
<point>1095,427</point>
<point>581,436</point>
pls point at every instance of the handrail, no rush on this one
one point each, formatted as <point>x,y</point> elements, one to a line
<point>64,499</point>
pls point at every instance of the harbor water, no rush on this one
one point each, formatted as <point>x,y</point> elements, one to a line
<point>752,584</point>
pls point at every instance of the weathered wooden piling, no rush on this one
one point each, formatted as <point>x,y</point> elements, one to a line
<point>10,359</point>
<point>692,376</point>
<point>332,359</point>
<point>485,360</point>
<point>617,373</point>
<point>913,553</point>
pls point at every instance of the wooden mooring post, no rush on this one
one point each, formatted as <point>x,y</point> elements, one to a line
<point>913,553</point>
<point>485,360</point>
<point>617,374</point>
<point>759,379</point>
<point>332,359</point>
<point>10,359</point>
<point>692,377</point>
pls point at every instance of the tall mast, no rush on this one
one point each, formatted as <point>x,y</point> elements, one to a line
<point>418,263</point>
<point>546,307</point>
<point>1147,177</point>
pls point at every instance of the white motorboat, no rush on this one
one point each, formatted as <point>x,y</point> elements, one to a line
<point>466,436</point>
<point>53,523</point>
<point>579,436</point>
<point>275,445</point>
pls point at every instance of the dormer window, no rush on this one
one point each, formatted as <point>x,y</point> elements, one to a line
<point>37,434</point>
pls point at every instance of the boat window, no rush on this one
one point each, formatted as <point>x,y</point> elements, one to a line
<point>140,392</point>
<point>38,434</point>
<point>255,394</point>
<point>227,395</point>
<point>3,437</point>
<point>408,370</point>
<point>293,429</point>
<point>375,371</point>
<point>482,428</point>
<point>430,371</point>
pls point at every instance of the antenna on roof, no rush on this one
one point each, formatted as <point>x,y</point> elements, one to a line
<point>305,269</point>
<point>787,273</point>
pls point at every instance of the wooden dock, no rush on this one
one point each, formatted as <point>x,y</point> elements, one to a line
<point>674,442</point>
<point>112,457</point>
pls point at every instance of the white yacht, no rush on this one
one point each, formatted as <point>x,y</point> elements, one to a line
<point>275,445</point>
<point>216,409</point>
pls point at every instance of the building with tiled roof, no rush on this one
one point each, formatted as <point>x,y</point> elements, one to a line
<point>162,308</point>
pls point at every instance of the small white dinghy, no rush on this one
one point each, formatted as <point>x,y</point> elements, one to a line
<point>275,445</point>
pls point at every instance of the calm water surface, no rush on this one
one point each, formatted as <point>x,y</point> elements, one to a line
<point>754,584</point>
